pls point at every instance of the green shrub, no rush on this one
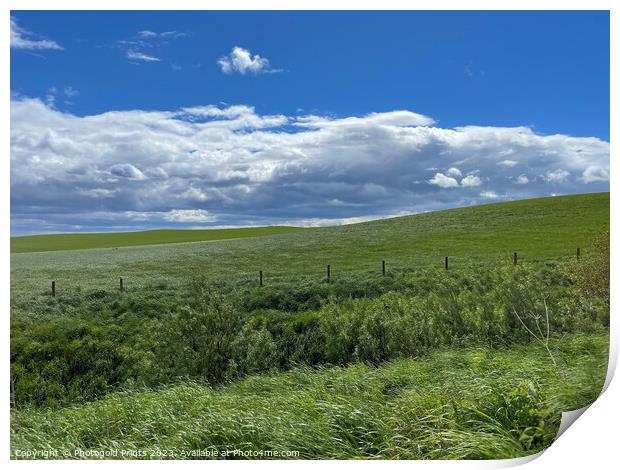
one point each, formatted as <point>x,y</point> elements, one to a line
<point>198,340</point>
<point>592,273</point>
<point>208,333</point>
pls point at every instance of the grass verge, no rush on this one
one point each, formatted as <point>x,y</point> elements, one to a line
<point>454,404</point>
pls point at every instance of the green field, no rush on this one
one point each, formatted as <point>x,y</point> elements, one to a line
<point>538,229</point>
<point>84,241</point>
<point>418,363</point>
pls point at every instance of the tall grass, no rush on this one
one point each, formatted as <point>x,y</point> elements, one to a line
<point>472,403</point>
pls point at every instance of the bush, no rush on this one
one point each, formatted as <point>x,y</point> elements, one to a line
<point>592,273</point>
<point>198,340</point>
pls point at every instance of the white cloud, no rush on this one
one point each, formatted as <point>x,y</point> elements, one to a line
<point>246,168</point>
<point>136,55</point>
<point>147,34</point>
<point>454,172</point>
<point>174,216</point>
<point>448,180</point>
<point>127,170</point>
<point>593,174</point>
<point>50,96</point>
<point>232,117</point>
<point>23,39</point>
<point>522,179</point>
<point>147,45</point>
<point>471,181</point>
<point>469,69</point>
<point>70,92</point>
<point>195,194</point>
<point>317,222</point>
<point>188,215</point>
<point>390,118</point>
<point>443,181</point>
<point>242,61</point>
<point>556,176</point>
<point>507,163</point>
<point>97,192</point>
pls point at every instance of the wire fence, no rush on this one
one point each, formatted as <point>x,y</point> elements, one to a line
<point>328,272</point>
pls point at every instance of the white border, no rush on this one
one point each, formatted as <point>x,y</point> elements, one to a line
<point>591,442</point>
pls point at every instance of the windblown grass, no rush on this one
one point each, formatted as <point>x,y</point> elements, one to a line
<point>455,404</point>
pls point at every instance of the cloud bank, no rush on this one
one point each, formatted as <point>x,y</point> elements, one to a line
<point>212,166</point>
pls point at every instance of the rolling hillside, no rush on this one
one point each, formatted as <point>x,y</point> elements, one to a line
<point>82,241</point>
<point>538,229</point>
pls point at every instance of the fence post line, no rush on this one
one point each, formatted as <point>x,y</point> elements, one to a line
<point>260,278</point>
<point>120,284</point>
<point>328,273</point>
<point>446,263</point>
<point>53,288</point>
<point>578,253</point>
<point>515,258</point>
<point>383,267</point>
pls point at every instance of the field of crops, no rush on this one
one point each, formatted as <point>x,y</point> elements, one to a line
<point>420,362</point>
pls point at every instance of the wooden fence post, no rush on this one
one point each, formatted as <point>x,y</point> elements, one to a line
<point>446,263</point>
<point>578,253</point>
<point>515,258</point>
<point>260,278</point>
<point>383,267</point>
<point>328,273</point>
<point>53,288</point>
<point>120,284</point>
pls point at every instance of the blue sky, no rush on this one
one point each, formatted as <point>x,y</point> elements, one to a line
<point>132,120</point>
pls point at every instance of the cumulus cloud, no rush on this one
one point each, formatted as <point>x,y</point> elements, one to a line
<point>23,39</point>
<point>443,181</point>
<point>242,61</point>
<point>449,179</point>
<point>594,174</point>
<point>454,172</point>
<point>556,176</point>
<point>471,181</point>
<point>522,179</point>
<point>231,165</point>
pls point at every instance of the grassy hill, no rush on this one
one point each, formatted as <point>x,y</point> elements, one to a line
<point>538,229</point>
<point>82,241</point>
